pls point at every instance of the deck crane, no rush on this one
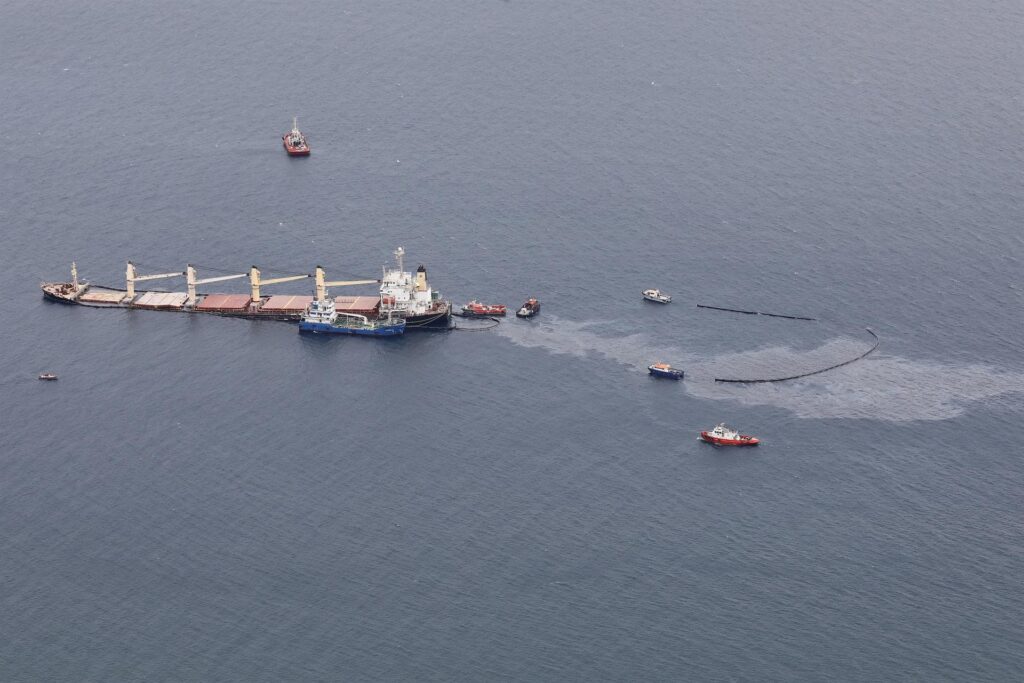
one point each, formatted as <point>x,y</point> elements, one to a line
<point>131,277</point>
<point>322,285</point>
<point>191,281</point>
<point>255,282</point>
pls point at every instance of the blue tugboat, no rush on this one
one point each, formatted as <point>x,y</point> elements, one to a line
<point>665,370</point>
<point>321,318</point>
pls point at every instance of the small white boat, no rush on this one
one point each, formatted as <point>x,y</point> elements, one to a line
<point>657,296</point>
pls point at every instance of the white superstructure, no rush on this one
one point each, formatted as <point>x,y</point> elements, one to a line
<point>404,294</point>
<point>723,432</point>
<point>657,296</point>
<point>321,311</point>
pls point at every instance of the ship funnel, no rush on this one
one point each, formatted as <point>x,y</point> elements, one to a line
<point>421,279</point>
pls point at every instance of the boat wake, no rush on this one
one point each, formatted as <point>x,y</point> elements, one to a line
<point>879,387</point>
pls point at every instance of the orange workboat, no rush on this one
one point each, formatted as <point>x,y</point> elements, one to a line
<point>486,310</point>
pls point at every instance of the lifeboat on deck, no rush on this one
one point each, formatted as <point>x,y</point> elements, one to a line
<point>724,436</point>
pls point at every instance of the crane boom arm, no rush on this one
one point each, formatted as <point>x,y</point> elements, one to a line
<point>160,276</point>
<point>220,279</point>
<point>343,283</point>
<point>290,278</point>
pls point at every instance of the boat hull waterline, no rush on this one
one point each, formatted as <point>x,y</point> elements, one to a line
<point>391,330</point>
<point>724,436</point>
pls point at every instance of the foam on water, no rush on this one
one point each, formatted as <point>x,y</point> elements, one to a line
<point>881,387</point>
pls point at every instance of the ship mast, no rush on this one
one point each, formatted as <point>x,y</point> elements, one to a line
<point>399,253</point>
<point>295,124</point>
<point>74,275</point>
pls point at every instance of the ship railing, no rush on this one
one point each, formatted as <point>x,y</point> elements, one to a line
<point>361,318</point>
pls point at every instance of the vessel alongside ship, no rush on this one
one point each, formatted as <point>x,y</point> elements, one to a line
<point>400,296</point>
<point>322,317</point>
<point>295,142</point>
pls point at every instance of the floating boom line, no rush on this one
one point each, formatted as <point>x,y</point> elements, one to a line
<point>770,315</point>
<point>807,374</point>
<point>491,323</point>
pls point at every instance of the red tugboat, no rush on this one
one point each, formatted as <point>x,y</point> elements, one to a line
<point>475,308</point>
<point>295,142</point>
<point>724,436</point>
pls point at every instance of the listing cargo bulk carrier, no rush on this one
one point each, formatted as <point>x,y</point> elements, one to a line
<point>400,296</point>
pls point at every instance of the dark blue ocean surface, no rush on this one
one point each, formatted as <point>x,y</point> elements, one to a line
<point>202,498</point>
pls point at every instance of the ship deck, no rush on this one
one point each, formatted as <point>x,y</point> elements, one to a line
<point>223,303</point>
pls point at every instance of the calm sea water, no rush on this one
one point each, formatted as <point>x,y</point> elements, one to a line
<point>212,499</point>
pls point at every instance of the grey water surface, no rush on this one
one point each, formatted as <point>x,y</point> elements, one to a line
<point>202,498</point>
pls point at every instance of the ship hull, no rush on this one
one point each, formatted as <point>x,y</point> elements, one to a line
<point>294,151</point>
<point>63,292</point>
<point>719,441</point>
<point>50,296</point>
<point>327,328</point>
<point>441,320</point>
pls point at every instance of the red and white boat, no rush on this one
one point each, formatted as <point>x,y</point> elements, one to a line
<point>724,436</point>
<point>295,142</point>
<point>476,308</point>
